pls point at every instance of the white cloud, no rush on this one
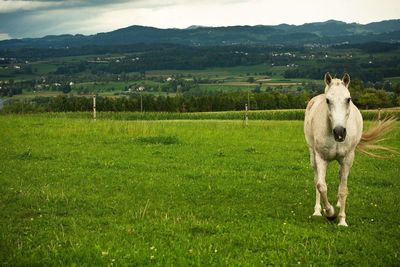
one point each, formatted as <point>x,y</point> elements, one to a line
<point>7,6</point>
<point>232,12</point>
<point>4,36</point>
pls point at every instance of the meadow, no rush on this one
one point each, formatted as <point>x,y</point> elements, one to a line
<point>183,193</point>
<point>273,114</point>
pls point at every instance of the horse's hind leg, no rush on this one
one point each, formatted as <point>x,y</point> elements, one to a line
<point>317,207</point>
<point>345,166</point>
<point>321,166</point>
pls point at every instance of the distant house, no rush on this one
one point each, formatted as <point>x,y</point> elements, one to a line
<point>169,79</point>
<point>132,88</point>
<point>71,84</point>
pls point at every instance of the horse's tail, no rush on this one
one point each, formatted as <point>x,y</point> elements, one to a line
<point>373,135</point>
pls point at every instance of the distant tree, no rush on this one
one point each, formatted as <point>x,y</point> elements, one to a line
<point>372,98</point>
<point>388,86</point>
<point>66,88</point>
<point>257,89</point>
<point>397,89</point>
<point>368,100</point>
<point>356,88</point>
<point>384,99</point>
<point>251,80</point>
<point>378,85</point>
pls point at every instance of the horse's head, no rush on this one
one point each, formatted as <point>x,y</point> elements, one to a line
<point>338,101</point>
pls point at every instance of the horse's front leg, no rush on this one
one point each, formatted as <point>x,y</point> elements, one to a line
<point>317,207</point>
<point>345,165</point>
<point>320,184</point>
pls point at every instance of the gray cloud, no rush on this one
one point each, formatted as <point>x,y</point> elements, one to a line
<point>10,6</point>
<point>22,18</point>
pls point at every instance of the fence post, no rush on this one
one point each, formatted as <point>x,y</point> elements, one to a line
<point>246,118</point>
<point>94,107</point>
<point>248,100</point>
<point>379,114</point>
<point>141,103</point>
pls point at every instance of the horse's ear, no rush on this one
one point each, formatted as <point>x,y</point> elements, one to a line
<point>328,78</point>
<point>346,79</point>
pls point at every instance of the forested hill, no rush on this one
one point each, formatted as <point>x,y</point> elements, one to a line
<point>329,32</point>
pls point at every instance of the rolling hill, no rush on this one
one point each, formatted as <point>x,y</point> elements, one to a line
<point>325,33</point>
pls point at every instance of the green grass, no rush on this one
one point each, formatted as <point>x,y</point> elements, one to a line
<point>213,72</point>
<point>115,86</point>
<point>281,114</point>
<point>44,67</point>
<point>394,80</point>
<point>39,68</point>
<point>224,87</point>
<point>209,193</point>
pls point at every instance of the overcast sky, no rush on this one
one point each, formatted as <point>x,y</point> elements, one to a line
<point>38,18</point>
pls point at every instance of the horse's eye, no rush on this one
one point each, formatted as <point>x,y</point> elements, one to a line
<point>348,100</point>
<point>327,101</point>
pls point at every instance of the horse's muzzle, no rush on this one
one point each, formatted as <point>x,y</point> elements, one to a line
<point>339,133</point>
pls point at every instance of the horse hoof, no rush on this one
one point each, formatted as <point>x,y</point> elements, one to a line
<point>330,213</point>
<point>332,217</point>
<point>344,224</point>
<point>317,214</point>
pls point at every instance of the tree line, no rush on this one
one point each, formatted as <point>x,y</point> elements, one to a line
<point>366,98</point>
<point>180,103</point>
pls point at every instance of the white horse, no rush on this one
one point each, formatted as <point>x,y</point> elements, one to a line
<point>333,128</point>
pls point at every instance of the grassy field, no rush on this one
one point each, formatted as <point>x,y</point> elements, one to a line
<point>203,193</point>
<point>225,72</point>
<point>114,86</point>
<point>393,79</point>
<point>253,115</point>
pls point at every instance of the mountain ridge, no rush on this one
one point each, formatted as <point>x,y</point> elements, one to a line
<point>324,33</point>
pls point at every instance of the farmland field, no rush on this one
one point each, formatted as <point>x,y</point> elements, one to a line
<point>206,192</point>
